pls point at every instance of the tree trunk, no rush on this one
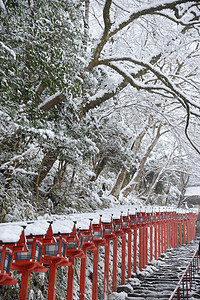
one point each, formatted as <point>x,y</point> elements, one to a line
<point>130,187</point>
<point>156,179</point>
<point>46,165</point>
<point>184,182</point>
<point>100,166</point>
<point>119,183</point>
<point>135,148</point>
<point>86,23</point>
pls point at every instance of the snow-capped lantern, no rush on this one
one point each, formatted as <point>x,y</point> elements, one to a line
<point>73,244</point>
<point>38,234</point>
<point>54,254</point>
<point>126,222</point>
<point>117,223</point>
<point>86,243</point>
<point>12,239</point>
<point>108,228</point>
<point>133,220</point>
<point>142,216</point>
<point>98,233</point>
<point>86,237</point>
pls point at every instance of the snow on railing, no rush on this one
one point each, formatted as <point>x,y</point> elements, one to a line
<point>143,234</point>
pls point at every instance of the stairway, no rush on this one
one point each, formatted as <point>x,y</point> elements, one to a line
<point>162,282</point>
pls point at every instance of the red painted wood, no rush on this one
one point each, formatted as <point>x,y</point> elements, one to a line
<point>123,264</point>
<point>184,238</point>
<point>52,281</point>
<point>95,274</point>
<point>151,243</point>
<point>165,237</point>
<point>146,246</point>
<point>140,248</point>
<point>106,271</point>
<point>155,242</point>
<point>129,254</point>
<point>82,278</point>
<point>180,233</point>
<point>135,251</point>
<point>159,239</point>
<point>25,282</point>
<point>70,279</point>
<point>114,279</point>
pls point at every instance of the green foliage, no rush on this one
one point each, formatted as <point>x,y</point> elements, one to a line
<point>40,47</point>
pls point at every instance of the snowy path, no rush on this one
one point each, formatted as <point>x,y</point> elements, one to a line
<point>161,283</point>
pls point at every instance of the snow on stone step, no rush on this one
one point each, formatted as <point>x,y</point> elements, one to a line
<point>162,282</point>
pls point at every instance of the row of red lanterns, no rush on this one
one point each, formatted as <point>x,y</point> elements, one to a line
<point>42,245</point>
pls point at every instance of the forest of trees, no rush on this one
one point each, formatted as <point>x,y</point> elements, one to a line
<point>99,104</point>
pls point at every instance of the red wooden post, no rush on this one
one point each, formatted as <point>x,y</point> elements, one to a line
<point>54,256</point>
<point>165,234</point>
<point>82,277</point>
<point>146,245</point>
<point>70,279</point>
<point>151,243</point>
<point>155,242</point>
<point>177,231</point>
<point>95,274</point>
<point>25,285</point>
<point>134,221</point>
<point>142,250</point>
<point>188,230</point>
<point>161,232</point>
<point>180,233</point>
<point>184,239</point>
<point>169,231</point>
<point>117,222</point>
<point>129,253</point>
<point>172,230</point>
<point>73,250</point>
<point>108,235</point>
<point>123,265</point>
<point>98,241</point>
<point>86,238</point>
<point>143,245</point>
<point>114,282</point>
<point>52,281</point>
<point>106,271</point>
<point>159,237</point>
<point>140,247</point>
<point>135,251</point>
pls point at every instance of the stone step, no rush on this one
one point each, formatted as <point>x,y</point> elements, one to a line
<point>161,283</point>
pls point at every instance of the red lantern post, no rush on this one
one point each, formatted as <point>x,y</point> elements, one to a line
<point>134,226</point>
<point>117,223</point>
<point>108,234</point>
<point>85,235</point>
<point>127,230</point>
<point>38,234</point>
<point>98,241</point>
<point>54,255</point>
<point>12,240</point>
<point>73,250</point>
